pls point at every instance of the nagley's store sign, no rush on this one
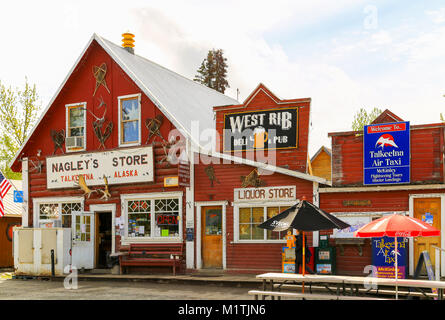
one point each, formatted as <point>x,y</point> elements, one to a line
<point>261,130</point>
<point>119,166</point>
<point>281,193</point>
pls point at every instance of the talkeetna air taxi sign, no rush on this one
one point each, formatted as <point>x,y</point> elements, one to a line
<point>386,152</point>
<point>261,130</point>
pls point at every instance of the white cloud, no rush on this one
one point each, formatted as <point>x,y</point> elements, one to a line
<point>397,67</point>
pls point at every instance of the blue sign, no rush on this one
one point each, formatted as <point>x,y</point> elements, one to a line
<point>386,153</point>
<point>18,196</point>
<point>383,257</point>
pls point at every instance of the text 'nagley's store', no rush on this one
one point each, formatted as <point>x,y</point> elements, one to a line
<point>118,159</point>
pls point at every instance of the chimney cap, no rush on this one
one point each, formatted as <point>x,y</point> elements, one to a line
<point>128,41</point>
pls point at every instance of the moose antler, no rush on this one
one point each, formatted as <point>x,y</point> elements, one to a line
<point>105,193</point>
<point>83,186</point>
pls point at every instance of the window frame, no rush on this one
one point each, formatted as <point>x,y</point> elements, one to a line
<point>121,121</point>
<point>53,200</point>
<point>68,107</point>
<point>264,205</point>
<point>125,198</point>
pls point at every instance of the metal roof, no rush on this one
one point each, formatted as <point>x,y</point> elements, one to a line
<point>182,100</point>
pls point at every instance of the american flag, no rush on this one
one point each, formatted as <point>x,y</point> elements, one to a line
<point>5,185</point>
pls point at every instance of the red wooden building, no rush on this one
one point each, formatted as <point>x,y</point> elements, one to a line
<point>121,122</point>
<point>355,202</point>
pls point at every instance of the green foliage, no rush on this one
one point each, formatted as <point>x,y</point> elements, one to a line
<point>19,109</point>
<point>363,118</point>
<point>213,71</point>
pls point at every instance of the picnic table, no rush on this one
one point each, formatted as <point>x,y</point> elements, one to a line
<point>345,285</point>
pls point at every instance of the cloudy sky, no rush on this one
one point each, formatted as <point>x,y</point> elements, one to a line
<point>344,54</point>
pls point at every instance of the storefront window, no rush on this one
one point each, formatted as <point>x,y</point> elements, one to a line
<point>167,213</point>
<point>251,217</point>
<point>271,212</point>
<point>57,214</point>
<point>67,209</point>
<point>152,217</point>
<point>139,218</point>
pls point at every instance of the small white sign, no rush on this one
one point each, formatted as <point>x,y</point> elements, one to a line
<point>280,193</point>
<point>119,166</point>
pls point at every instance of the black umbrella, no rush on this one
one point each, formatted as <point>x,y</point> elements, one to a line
<point>304,216</point>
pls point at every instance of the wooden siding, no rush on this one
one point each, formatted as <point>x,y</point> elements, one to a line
<point>321,165</point>
<point>427,156</point>
<point>79,88</point>
<point>351,263</point>
<point>244,257</point>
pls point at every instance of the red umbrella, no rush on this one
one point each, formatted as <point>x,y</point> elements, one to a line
<point>396,225</point>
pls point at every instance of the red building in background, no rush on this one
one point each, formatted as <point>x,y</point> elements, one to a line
<point>356,203</point>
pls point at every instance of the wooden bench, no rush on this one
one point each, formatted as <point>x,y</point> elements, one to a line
<point>159,255</point>
<point>307,296</point>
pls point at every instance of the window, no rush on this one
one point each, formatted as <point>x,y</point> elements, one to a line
<point>129,117</point>
<point>139,214</point>
<point>56,214</point>
<point>75,127</point>
<point>250,217</point>
<point>153,216</point>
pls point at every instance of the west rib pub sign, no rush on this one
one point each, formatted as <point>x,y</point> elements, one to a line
<point>261,130</point>
<point>386,153</point>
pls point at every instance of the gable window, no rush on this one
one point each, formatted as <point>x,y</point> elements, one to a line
<point>75,127</point>
<point>130,120</point>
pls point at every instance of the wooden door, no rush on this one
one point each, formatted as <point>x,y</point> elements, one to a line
<point>428,210</point>
<point>211,236</point>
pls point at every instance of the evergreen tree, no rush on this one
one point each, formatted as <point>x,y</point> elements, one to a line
<point>213,71</point>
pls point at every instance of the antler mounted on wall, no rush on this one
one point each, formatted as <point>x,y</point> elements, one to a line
<point>83,186</point>
<point>105,193</point>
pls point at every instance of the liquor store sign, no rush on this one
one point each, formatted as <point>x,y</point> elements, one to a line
<point>281,193</point>
<point>119,166</point>
<point>261,130</point>
<point>386,153</point>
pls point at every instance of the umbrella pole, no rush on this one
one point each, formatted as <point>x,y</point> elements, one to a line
<point>304,258</point>
<point>397,271</point>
